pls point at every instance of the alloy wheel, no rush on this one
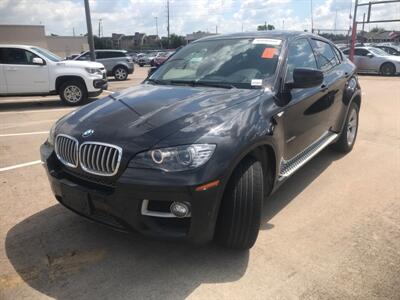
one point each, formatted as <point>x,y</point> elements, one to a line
<point>120,73</point>
<point>352,127</point>
<point>72,94</point>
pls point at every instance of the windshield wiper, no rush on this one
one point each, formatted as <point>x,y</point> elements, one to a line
<point>156,81</point>
<point>203,83</point>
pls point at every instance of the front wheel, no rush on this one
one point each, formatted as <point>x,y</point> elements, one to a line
<point>240,212</point>
<point>73,93</point>
<point>347,137</point>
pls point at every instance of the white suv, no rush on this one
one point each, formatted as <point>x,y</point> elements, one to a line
<point>30,70</point>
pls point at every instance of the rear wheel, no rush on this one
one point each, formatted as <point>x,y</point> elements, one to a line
<point>388,69</point>
<point>240,211</point>
<point>120,73</point>
<point>348,135</point>
<point>73,93</point>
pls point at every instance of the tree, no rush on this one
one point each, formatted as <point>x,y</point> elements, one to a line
<point>175,41</point>
<point>265,27</point>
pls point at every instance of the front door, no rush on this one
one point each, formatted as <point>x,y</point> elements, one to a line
<point>302,116</point>
<point>21,75</point>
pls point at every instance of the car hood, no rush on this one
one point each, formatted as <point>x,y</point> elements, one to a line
<point>139,117</point>
<point>80,64</point>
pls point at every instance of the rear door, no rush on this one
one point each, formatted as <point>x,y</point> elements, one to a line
<point>302,116</point>
<point>329,61</point>
<point>21,75</point>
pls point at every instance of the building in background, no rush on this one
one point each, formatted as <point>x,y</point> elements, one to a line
<point>197,35</point>
<point>35,35</point>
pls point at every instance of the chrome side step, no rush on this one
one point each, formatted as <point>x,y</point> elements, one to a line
<point>289,167</point>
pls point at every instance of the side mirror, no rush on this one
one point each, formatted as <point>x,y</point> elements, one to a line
<point>307,78</point>
<point>370,55</point>
<point>38,61</point>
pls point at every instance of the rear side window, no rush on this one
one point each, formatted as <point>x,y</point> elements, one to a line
<point>110,54</point>
<point>16,56</point>
<point>85,56</point>
<point>300,55</point>
<point>361,52</point>
<point>338,54</point>
<point>326,57</point>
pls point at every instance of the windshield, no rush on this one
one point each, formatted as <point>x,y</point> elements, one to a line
<point>241,63</point>
<point>47,54</point>
<point>378,51</point>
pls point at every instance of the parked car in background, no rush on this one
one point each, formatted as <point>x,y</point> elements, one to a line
<point>30,70</point>
<point>117,62</point>
<point>392,50</point>
<point>193,152</point>
<point>72,56</point>
<point>145,59</point>
<point>375,60</point>
<point>160,58</point>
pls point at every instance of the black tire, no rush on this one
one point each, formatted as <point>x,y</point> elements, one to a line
<point>388,69</point>
<point>120,73</point>
<point>240,212</point>
<point>66,90</point>
<point>344,144</point>
<point>140,65</point>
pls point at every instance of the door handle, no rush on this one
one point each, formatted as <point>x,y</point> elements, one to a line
<point>324,88</point>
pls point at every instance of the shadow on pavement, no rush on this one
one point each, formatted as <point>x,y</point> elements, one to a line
<point>64,256</point>
<point>296,184</point>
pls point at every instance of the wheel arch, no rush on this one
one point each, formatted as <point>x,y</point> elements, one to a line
<point>387,63</point>
<point>64,78</point>
<point>264,152</point>
<point>119,65</point>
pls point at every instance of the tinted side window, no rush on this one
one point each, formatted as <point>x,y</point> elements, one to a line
<point>16,56</point>
<point>101,54</point>
<point>361,52</point>
<point>338,54</point>
<point>326,58</point>
<point>117,54</point>
<point>300,55</point>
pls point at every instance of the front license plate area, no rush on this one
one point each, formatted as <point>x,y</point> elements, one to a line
<point>76,199</point>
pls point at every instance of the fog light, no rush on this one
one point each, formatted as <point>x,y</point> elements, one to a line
<point>180,209</point>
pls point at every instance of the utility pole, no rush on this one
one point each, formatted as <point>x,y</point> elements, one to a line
<point>89,31</point>
<point>156,18</point>
<point>312,17</point>
<point>242,26</point>
<point>283,24</point>
<point>73,31</point>
<point>353,32</point>
<point>100,20</point>
<point>216,29</point>
<point>168,23</point>
<point>335,27</point>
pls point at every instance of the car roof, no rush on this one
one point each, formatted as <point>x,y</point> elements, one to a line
<point>111,50</point>
<point>17,46</point>
<point>277,34</point>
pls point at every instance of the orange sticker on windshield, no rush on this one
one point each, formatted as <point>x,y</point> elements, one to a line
<point>268,53</point>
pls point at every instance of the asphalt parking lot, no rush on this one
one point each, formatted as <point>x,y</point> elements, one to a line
<point>331,232</point>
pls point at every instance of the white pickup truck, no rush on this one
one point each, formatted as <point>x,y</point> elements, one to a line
<point>31,70</point>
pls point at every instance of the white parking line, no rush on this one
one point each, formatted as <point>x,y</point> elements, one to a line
<point>23,133</point>
<point>34,111</point>
<point>31,163</point>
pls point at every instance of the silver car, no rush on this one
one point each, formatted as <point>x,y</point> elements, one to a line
<point>375,60</point>
<point>117,62</point>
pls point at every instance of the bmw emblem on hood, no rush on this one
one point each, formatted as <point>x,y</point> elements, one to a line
<point>87,133</point>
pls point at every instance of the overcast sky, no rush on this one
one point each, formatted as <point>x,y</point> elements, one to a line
<point>186,16</point>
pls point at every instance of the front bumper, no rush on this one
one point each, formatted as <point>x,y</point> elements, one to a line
<point>119,204</point>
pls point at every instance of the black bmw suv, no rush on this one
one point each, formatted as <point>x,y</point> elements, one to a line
<point>192,152</point>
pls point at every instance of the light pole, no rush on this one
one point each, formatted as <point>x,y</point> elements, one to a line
<point>156,18</point>
<point>89,31</point>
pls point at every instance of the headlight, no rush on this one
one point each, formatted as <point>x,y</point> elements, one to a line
<point>174,159</point>
<point>50,139</point>
<point>93,71</point>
